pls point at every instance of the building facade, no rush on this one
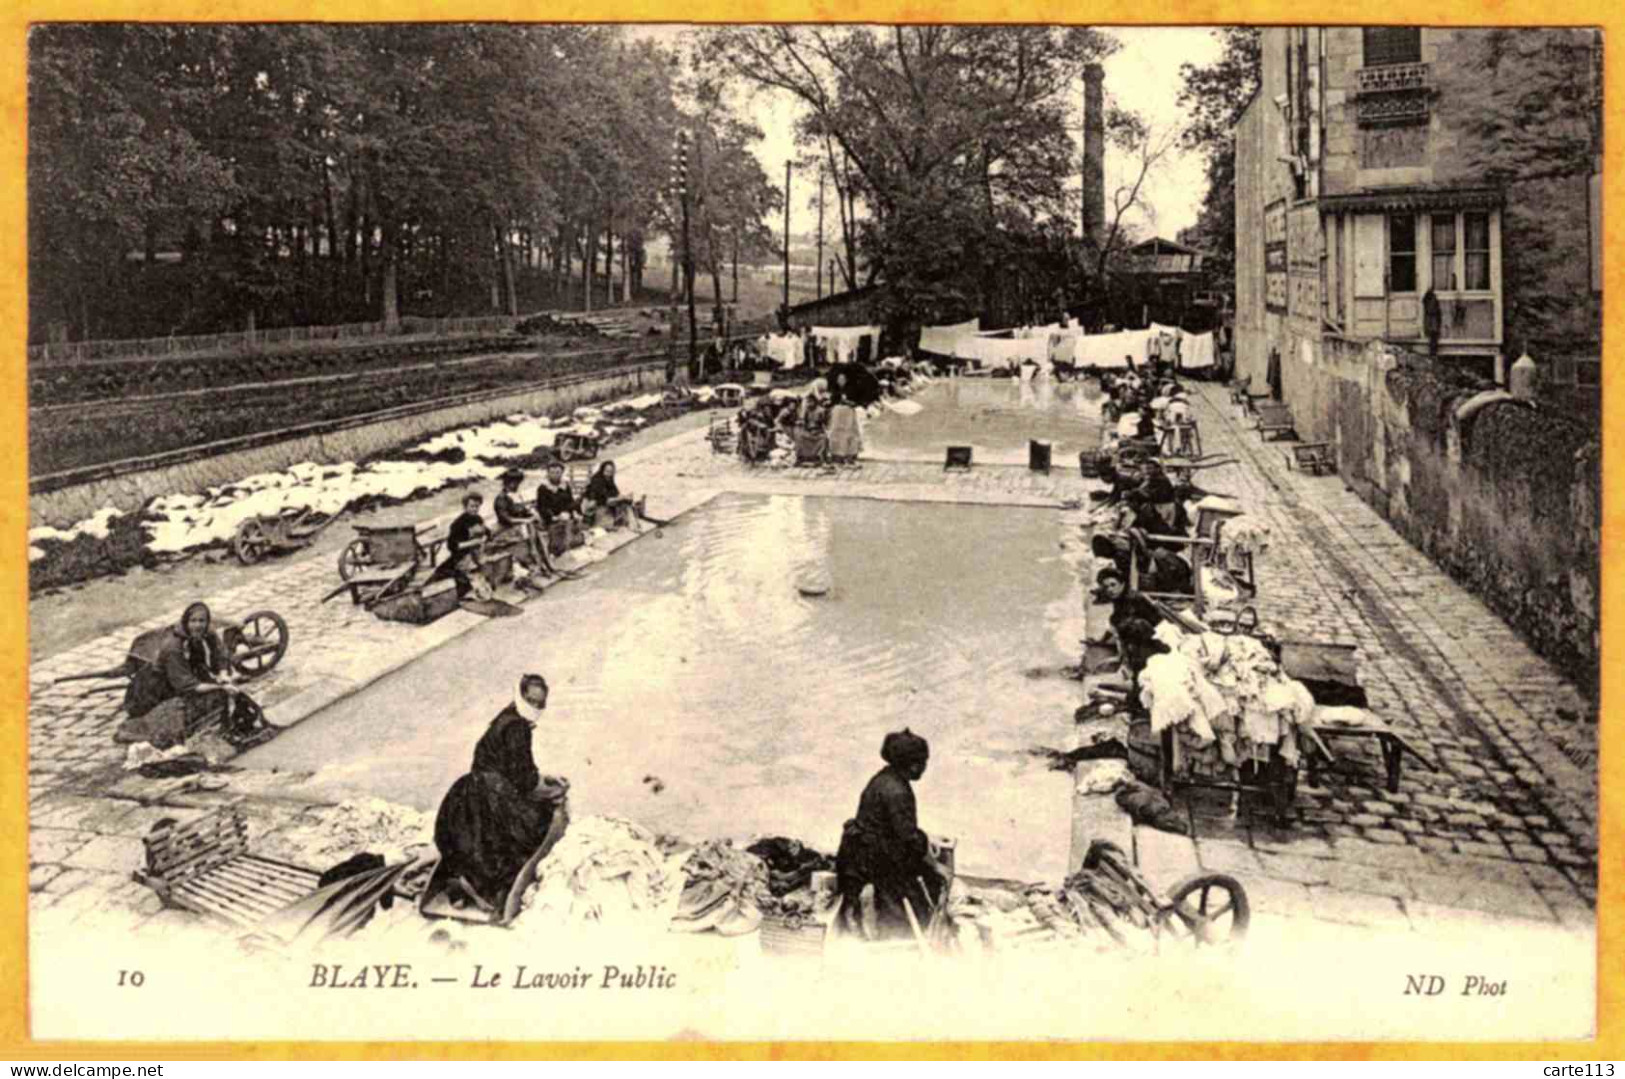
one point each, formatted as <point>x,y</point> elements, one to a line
<point>1392,185</point>
<point>1416,207</point>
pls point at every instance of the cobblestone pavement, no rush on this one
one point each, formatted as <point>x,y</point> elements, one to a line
<point>1505,829</point>
<point>1507,824</point>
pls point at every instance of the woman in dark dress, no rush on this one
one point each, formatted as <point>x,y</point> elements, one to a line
<point>884,847</point>
<point>495,817</point>
<point>191,678</point>
<point>603,494</point>
<point>465,538</point>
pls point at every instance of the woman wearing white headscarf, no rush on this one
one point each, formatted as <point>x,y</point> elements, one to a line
<point>495,817</point>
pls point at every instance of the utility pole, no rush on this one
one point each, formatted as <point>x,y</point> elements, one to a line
<point>787,243</point>
<point>688,268</point>
<point>819,265</point>
<point>679,188</point>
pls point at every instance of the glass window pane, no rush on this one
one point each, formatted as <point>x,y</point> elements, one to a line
<point>1402,273</point>
<point>1402,233</point>
<point>1478,271</point>
<point>1444,233</point>
<point>1478,231</point>
<point>1392,45</point>
<point>1402,253</point>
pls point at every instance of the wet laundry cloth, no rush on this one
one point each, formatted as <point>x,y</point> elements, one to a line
<point>1107,351</point>
<point>790,863</point>
<point>606,871</point>
<point>785,349</point>
<point>1102,776</point>
<point>1178,694</point>
<point>940,340</point>
<point>1242,537</point>
<point>843,344</point>
<point>1197,352</point>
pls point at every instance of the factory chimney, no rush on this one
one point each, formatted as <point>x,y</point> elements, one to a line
<point>1094,154</point>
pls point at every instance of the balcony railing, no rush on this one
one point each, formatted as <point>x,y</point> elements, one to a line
<point>1388,78</point>
<point>1393,94</point>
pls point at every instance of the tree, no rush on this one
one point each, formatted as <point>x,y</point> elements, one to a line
<point>318,172</point>
<point>953,138</point>
<point>1216,95</point>
<point>108,162</point>
<point>1145,148</point>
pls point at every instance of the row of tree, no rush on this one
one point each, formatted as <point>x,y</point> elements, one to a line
<point>201,178</point>
<point>320,173</point>
<point>952,152</point>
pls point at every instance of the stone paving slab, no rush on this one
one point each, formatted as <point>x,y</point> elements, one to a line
<point>1438,665</point>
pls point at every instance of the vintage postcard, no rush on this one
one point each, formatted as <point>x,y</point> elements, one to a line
<point>591,532</point>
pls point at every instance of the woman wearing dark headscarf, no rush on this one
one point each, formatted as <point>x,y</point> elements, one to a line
<point>191,675</point>
<point>884,847</point>
<point>603,493</point>
<point>495,817</point>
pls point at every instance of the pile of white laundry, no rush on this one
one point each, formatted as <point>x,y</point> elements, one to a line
<point>1226,691</point>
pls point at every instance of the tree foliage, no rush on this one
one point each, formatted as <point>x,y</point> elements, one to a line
<point>1215,95</point>
<point>954,140</point>
<point>321,173</point>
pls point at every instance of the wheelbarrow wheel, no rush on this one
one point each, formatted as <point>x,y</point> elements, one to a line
<point>1208,910</point>
<point>251,543</point>
<point>354,558</point>
<point>258,644</point>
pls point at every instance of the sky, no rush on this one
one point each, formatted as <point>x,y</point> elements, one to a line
<point>1142,76</point>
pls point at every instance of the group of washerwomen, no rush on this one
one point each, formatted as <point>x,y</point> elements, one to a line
<point>543,531</point>
<point>1151,520</point>
<point>192,680</point>
<point>821,427</point>
<point>504,809</point>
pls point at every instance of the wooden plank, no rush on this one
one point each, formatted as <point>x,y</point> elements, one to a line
<point>235,875</point>
<point>286,888</point>
<point>240,894</point>
<point>255,906</point>
<point>203,903</point>
<point>294,876</point>
<point>263,860</point>
<point>198,861</point>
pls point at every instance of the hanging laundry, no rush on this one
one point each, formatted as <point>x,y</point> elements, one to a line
<point>940,340</point>
<point>1197,352</point>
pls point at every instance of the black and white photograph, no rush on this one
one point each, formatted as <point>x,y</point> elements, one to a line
<point>813,532</point>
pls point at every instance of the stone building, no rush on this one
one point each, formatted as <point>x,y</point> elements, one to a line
<point>1376,164</point>
<point>1415,208</point>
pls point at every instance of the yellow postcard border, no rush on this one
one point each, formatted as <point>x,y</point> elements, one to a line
<point>14,20</point>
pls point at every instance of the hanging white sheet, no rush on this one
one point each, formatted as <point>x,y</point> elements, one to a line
<point>940,339</point>
<point>1197,352</point>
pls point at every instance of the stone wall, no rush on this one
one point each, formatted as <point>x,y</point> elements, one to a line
<point>1507,500</point>
<point>64,507</point>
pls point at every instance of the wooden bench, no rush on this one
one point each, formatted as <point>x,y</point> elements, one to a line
<point>1274,420</point>
<point>1331,723</point>
<point>204,866</point>
<point>1315,458</point>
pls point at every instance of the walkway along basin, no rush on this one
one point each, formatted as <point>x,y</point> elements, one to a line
<point>695,690</point>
